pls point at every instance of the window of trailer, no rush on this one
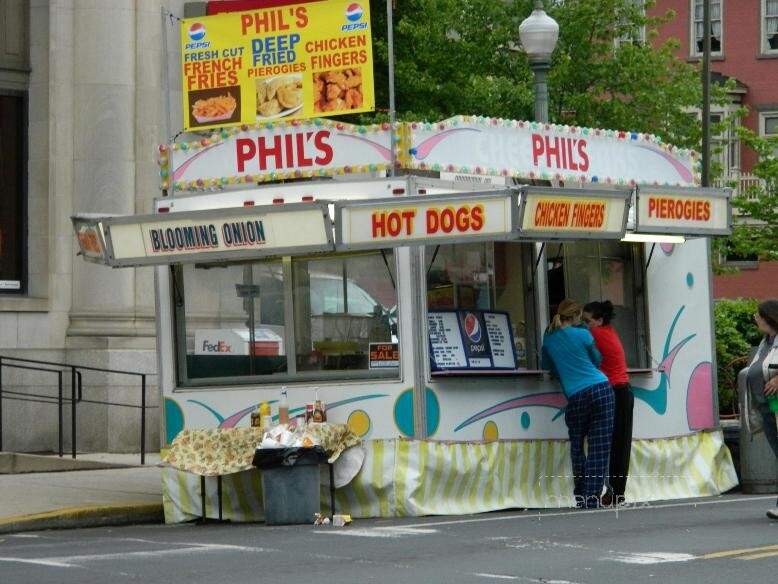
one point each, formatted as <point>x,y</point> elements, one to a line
<point>589,271</point>
<point>287,319</point>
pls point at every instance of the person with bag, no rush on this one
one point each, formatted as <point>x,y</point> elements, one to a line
<point>571,356</point>
<point>762,377</point>
<point>598,317</point>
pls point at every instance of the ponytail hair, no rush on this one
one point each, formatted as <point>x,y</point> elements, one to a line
<point>603,310</point>
<point>567,311</point>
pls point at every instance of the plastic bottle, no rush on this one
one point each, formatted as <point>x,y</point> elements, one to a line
<point>283,408</point>
<point>256,417</point>
<point>265,419</point>
<point>318,414</point>
<point>772,401</point>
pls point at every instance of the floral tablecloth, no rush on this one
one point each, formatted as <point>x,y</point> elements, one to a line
<point>222,451</point>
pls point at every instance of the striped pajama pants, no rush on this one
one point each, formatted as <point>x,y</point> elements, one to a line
<point>589,416</point>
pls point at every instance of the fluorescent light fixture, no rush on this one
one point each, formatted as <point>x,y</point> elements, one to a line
<point>652,238</point>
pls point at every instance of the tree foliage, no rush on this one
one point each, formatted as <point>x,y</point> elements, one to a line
<point>462,57</point>
<point>736,333</point>
<point>756,234</point>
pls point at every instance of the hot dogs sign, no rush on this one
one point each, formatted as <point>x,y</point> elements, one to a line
<point>403,220</point>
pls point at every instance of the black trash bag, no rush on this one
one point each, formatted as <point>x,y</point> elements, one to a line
<point>276,457</point>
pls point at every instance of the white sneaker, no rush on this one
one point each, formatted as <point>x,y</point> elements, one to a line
<point>773,513</point>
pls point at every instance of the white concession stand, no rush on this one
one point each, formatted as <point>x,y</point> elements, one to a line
<point>415,305</point>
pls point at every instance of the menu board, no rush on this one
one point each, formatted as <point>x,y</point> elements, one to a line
<point>446,348</point>
<point>498,331</point>
<point>470,340</point>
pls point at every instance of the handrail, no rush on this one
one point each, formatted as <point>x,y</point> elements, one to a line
<point>76,395</point>
<point>69,365</point>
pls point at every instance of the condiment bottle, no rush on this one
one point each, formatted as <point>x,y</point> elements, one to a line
<point>256,417</point>
<point>318,413</point>
<point>283,408</point>
<point>264,415</point>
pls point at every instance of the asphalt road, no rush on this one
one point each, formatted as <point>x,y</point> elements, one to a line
<point>723,539</point>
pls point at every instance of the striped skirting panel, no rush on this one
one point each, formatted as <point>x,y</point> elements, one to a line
<point>416,477</point>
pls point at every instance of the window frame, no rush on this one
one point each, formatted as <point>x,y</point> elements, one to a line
<point>24,195</point>
<point>640,298</point>
<point>531,307</point>
<point>640,38</point>
<point>693,52</point>
<point>292,376</point>
<point>764,45</point>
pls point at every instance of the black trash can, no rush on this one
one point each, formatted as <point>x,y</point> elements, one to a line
<point>290,484</point>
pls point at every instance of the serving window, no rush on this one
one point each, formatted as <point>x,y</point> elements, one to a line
<point>589,271</point>
<point>286,319</point>
<point>486,277</point>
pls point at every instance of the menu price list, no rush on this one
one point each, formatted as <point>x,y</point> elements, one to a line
<point>498,331</point>
<point>448,352</point>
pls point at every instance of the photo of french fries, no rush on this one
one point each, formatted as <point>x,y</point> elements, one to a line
<point>339,90</point>
<point>279,96</point>
<point>212,109</point>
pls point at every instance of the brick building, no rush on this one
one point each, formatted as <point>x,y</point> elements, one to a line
<point>744,44</point>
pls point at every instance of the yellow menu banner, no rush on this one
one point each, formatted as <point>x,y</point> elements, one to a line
<point>288,62</point>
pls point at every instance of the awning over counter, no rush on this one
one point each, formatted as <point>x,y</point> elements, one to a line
<point>214,235</point>
<point>350,221</point>
<point>678,211</point>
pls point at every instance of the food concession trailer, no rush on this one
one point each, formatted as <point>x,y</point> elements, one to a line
<point>415,306</point>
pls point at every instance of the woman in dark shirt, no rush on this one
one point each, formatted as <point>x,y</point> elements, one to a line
<point>598,316</point>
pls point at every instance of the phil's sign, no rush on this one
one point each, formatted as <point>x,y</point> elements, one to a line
<point>282,62</point>
<point>574,213</point>
<point>489,146</point>
<point>253,155</point>
<point>403,220</point>
<point>683,211</point>
<point>214,235</point>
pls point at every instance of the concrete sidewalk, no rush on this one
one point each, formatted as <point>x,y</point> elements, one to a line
<point>83,498</point>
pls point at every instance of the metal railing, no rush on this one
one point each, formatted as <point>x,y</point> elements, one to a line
<point>76,395</point>
<point>743,185</point>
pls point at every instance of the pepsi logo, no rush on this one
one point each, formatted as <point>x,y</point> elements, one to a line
<point>472,327</point>
<point>196,31</point>
<point>353,12</point>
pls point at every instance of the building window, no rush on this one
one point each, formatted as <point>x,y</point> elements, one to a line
<point>768,126</point>
<point>489,276</point>
<point>725,144</point>
<point>589,271</point>
<point>716,27</point>
<point>13,236</point>
<point>290,318</point>
<point>769,26</point>
<point>630,34</point>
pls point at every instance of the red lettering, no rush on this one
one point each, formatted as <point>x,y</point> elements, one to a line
<point>584,165</point>
<point>302,159</point>
<point>379,225</point>
<point>265,152</point>
<point>394,224</point>
<point>301,15</point>
<point>433,222</point>
<point>537,148</point>
<point>447,220</point>
<point>477,218</point>
<point>246,150</point>
<point>463,218</point>
<point>552,151</point>
<point>651,206</point>
<point>320,140</point>
<point>408,220</point>
<point>245,22</point>
<point>706,211</point>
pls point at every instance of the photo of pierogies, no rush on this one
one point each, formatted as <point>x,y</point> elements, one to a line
<point>337,90</point>
<point>279,96</point>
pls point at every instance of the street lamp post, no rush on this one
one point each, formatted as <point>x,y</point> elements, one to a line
<point>538,34</point>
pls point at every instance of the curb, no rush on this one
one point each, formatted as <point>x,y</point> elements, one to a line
<point>91,516</point>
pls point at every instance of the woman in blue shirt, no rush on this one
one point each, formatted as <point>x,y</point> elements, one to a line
<point>571,356</point>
